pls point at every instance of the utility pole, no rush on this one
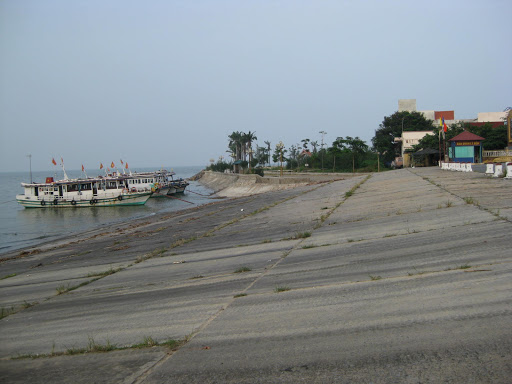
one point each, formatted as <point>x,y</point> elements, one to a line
<point>322,133</point>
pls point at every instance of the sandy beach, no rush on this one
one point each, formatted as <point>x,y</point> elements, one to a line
<point>402,276</point>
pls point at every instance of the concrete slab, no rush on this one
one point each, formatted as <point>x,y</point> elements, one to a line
<point>404,280</point>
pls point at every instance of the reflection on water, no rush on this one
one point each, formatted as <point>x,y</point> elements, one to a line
<point>20,227</point>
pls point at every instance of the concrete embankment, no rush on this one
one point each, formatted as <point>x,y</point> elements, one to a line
<point>401,277</point>
<point>236,185</point>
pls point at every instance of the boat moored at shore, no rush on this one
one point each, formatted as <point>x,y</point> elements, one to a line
<point>106,191</point>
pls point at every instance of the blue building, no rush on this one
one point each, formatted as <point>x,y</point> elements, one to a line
<point>466,148</point>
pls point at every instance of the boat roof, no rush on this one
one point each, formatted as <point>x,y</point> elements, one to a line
<point>79,181</point>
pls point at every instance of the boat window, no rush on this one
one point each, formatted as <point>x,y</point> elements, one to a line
<point>73,188</point>
<point>111,185</point>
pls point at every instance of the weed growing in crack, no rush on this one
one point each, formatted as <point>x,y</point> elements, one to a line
<point>468,200</point>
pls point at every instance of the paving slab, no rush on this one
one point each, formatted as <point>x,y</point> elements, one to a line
<point>404,279</point>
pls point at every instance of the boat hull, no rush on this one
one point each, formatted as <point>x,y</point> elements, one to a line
<point>113,201</point>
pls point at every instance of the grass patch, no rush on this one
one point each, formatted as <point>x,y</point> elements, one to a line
<point>448,204</point>
<point>147,342</point>
<point>465,266</point>
<point>281,288</point>
<point>108,272</point>
<point>266,241</point>
<point>7,276</point>
<point>375,277</point>
<point>243,269</point>
<point>158,252</point>
<point>309,246</point>
<point>4,312</point>
<point>94,347</point>
<point>240,295</point>
<point>68,287</point>
<point>468,200</point>
<point>197,277</point>
<point>26,304</point>
<point>302,235</point>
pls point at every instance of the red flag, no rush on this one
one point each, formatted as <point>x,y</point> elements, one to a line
<point>121,161</point>
<point>126,166</point>
<point>101,165</point>
<point>445,128</point>
<point>54,162</point>
<point>61,160</point>
<point>83,169</point>
<point>112,165</point>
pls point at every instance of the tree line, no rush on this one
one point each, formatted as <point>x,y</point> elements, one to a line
<point>348,154</point>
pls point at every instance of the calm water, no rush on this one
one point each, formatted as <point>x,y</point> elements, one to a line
<point>21,227</point>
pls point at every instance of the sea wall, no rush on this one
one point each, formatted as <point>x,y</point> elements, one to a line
<point>234,185</point>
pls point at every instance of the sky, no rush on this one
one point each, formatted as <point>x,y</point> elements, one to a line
<point>163,83</point>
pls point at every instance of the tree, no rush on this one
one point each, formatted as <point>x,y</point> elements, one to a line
<point>235,144</point>
<point>261,156</point>
<point>293,158</point>
<point>392,127</point>
<point>248,138</point>
<point>278,152</point>
<point>355,147</point>
<point>495,138</point>
<point>268,147</point>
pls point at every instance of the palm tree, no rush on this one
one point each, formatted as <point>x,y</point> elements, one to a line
<point>268,146</point>
<point>235,144</point>
<point>248,138</point>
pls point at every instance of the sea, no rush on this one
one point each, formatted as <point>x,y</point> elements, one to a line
<point>21,227</point>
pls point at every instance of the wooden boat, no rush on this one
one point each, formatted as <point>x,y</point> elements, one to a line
<point>177,186</point>
<point>109,191</point>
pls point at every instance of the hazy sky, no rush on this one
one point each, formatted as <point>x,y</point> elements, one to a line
<point>165,82</point>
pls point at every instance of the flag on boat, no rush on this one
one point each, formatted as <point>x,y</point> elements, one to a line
<point>121,161</point>
<point>62,161</point>
<point>112,165</point>
<point>54,162</point>
<point>126,166</point>
<point>83,169</point>
<point>101,165</point>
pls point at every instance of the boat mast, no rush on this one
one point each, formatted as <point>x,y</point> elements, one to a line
<point>63,170</point>
<point>30,162</point>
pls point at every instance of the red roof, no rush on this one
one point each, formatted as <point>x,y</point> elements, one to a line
<point>467,136</point>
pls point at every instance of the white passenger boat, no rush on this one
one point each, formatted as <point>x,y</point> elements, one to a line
<point>157,182</point>
<point>108,191</point>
